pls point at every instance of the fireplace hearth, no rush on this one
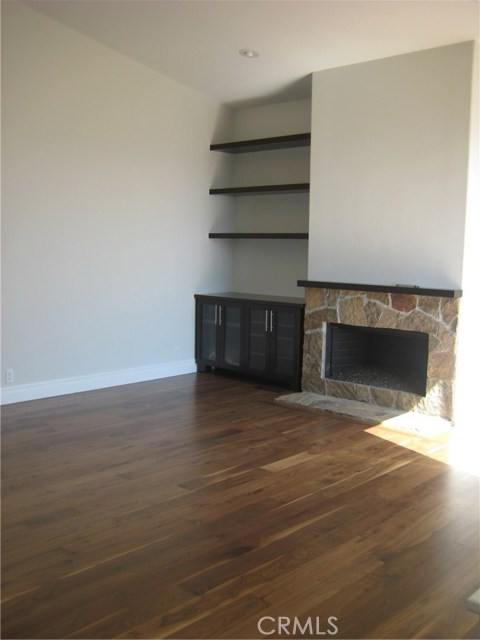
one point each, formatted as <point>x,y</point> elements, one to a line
<point>415,327</point>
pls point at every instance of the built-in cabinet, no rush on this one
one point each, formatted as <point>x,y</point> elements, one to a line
<point>256,335</point>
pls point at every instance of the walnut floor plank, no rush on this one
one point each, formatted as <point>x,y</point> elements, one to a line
<point>190,507</point>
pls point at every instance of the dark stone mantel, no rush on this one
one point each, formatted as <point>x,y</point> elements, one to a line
<point>383,288</point>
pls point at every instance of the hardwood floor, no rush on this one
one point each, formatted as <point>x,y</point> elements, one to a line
<point>195,507</point>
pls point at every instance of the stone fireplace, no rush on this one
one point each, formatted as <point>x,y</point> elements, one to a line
<point>413,332</point>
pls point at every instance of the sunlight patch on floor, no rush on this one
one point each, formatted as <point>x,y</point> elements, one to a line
<point>431,436</point>
<point>464,450</point>
<point>456,447</point>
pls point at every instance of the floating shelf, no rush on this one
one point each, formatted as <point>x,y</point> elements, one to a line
<point>264,144</point>
<point>261,236</point>
<point>302,187</point>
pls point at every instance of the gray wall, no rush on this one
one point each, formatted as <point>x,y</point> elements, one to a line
<point>389,167</point>
<point>105,206</point>
<point>271,266</point>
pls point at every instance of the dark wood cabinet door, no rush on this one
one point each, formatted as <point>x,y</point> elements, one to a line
<point>284,337</point>
<point>231,329</point>
<point>208,348</point>
<point>257,338</point>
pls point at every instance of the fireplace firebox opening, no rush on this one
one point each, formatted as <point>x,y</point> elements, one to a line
<point>388,358</point>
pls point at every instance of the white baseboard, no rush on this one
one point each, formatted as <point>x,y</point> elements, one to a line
<point>63,386</point>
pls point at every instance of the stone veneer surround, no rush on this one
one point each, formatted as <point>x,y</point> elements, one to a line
<point>434,315</point>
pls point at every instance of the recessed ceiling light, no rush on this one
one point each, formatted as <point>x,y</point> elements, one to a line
<point>248,53</point>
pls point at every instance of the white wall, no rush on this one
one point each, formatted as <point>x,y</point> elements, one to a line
<point>389,169</point>
<point>105,206</point>
<point>468,354</point>
<point>271,266</point>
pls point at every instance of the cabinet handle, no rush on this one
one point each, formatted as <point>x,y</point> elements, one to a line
<point>271,321</point>
<point>216,314</point>
<point>266,321</point>
<point>219,315</point>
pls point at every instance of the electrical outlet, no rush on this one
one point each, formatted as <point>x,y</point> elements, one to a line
<point>176,353</point>
<point>9,376</point>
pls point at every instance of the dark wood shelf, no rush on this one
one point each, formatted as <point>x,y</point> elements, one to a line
<point>409,289</point>
<point>261,236</point>
<point>264,144</point>
<point>255,297</point>
<point>302,187</point>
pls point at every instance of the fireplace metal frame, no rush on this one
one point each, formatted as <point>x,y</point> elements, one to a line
<point>413,379</point>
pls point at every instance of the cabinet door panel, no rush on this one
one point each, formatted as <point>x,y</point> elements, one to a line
<point>209,331</point>
<point>285,339</point>
<point>257,339</point>
<point>232,325</point>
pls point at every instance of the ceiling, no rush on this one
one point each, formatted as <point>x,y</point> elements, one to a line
<point>196,42</point>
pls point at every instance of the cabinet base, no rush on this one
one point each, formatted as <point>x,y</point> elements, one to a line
<point>251,377</point>
<point>203,368</point>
